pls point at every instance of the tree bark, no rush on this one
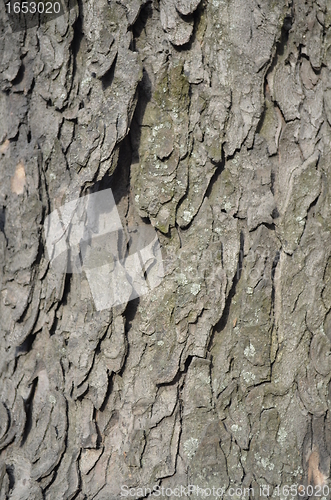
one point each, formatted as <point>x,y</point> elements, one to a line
<point>210,122</point>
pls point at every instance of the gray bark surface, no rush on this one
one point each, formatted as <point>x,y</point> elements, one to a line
<point>210,121</point>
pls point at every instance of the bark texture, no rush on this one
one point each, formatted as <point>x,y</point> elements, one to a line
<point>211,121</point>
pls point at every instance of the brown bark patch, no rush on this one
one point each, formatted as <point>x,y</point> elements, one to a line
<point>18,179</point>
<point>4,146</point>
<point>314,474</point>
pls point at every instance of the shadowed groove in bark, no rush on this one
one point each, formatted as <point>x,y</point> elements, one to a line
<point>225,316</point>
<point>108,77</point>
<point>28,405</point>
<point>279,51</point>
<point>77,39</point>
<point>180,375</point>
<point>10,469</point>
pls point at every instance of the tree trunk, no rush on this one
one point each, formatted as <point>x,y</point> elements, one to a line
<point>210,123</point>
